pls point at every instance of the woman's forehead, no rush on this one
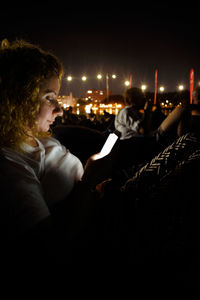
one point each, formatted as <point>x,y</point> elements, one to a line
<point>51,85</point>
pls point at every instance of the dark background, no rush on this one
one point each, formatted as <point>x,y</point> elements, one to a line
<point>123,38</point>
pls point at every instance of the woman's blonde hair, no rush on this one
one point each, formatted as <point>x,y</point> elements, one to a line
<point>23,68</point>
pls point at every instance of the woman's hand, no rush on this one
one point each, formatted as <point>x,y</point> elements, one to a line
<point>97,169</point>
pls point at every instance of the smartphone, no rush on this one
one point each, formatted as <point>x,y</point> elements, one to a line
<point>107,147</point>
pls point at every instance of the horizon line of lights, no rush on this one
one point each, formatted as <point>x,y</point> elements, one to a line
<point>100,107</point>
<point>144,87</point>
<point>127,83</point>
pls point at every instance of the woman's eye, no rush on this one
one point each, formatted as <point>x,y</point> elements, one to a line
<point>50,100</point>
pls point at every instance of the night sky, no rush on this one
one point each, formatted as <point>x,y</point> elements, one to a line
<point>123,39</point>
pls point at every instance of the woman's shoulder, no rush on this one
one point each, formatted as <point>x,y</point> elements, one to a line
<point>53,148</point>
<point>55,151</point>
<point>49,141</point>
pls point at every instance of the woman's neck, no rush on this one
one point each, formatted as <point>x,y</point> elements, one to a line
<point>31,141</point>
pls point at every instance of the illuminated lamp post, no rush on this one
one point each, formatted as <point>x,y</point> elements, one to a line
<point>127,83</point>
<point>181,87</point>
<point>83,78</point>
<point>69,79</point>
<point>107,84</point>
<point>99,76</point>
<point>143,87</point>
<point>162,89</point>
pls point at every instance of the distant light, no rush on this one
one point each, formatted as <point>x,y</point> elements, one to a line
<point>118,105</point>
<point>162,88</point>
<point>89,92</point>
<point>181,87</point>
<point>69,78</point>
<point>114,76</point>
<point>99,76</point>
<point>127,83</point>
<point>84,78</point>
<point>88,109</point>
<point>143,87</point>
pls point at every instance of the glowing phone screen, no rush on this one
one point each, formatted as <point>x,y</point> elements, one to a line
<point>107,147</point>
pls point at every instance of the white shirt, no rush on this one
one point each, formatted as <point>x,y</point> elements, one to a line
<point>33,181</point>
<point>127,123</point>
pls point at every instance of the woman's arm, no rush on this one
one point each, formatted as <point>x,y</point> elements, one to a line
<point>75,212</point>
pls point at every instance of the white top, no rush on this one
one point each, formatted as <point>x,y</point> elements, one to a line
<point>127,123</point>
<point>33,181</point>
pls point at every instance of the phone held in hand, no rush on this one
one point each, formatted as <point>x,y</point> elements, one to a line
<point>107,147</point>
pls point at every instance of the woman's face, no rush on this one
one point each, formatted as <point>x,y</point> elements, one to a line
<point>49,108</point>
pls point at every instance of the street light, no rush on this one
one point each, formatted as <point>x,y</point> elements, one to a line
<point>69,78</point>
<point>143,87</point>
<point>127,83</point>
<point>99,76</point>
<point>84,78</point>
<point>162,88</point>
<point>181,87</point>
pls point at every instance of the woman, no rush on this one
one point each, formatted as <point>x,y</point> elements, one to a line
<point>37,172</point>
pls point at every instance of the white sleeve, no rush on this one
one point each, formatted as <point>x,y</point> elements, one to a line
<point>62,171</point>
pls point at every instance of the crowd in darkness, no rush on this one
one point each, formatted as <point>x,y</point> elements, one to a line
<point>63,203</point>
<point>106,121</point>
<point>157,172</point>
<point>97,127</point>
<point>90,120</point>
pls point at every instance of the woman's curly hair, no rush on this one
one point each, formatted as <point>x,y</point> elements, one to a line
<point>23,68</point>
